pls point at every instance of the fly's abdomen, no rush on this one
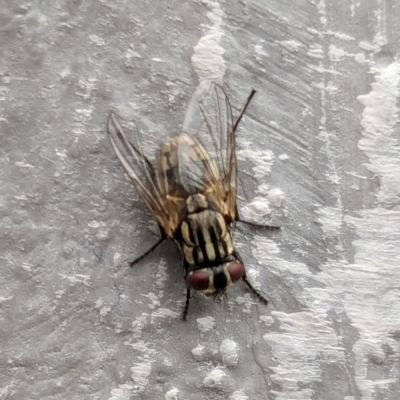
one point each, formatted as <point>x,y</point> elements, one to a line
<point>181,167</point>
<point>204,238</point>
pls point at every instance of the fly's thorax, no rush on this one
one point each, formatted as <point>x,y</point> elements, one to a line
<point>197,203</point>
<point>204,238</point>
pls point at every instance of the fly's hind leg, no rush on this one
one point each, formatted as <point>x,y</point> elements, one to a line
<point>253,92</point>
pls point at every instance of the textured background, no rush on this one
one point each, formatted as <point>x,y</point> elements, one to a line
<point>318,152</point>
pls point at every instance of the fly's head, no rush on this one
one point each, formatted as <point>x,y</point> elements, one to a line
<point>215,280</point>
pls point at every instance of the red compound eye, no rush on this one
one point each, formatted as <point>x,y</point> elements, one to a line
<point>236,271</point>
<point>198,280</point>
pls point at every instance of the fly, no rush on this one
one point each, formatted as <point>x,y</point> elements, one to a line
<point>190,190</point>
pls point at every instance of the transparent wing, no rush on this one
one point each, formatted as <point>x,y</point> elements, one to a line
<point>127,145</point>
<point>209,123</point>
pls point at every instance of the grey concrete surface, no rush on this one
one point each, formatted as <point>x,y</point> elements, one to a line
<point>318,153</point>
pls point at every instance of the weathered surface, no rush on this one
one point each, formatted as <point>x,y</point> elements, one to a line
<point>318,152</point>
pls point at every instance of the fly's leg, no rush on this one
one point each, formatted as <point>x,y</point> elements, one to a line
<point>246,281</point>
<point>254,290</point>
<point>185,311</point>
<point>136,260</point>
<point>262,226</point>
<point>253,92</point>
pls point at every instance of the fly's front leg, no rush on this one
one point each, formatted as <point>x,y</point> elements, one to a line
<point>254,290</point>
<point>185,311</point>
<point>246,281</point>
<point>185,267</point>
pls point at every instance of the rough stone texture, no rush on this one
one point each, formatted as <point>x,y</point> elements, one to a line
<point>318,152</point>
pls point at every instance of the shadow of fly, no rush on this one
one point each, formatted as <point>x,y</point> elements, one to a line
<point>190,189</point>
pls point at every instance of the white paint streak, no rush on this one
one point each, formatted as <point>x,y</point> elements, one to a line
<point>379,141</point>
<point>267,320</point>
<point>315,51</point>
<point>372,298</point>
<point>262,158</point>
<point>216,379</point>
<point>276,197</point>
<point>360,58</point>
<point>161,276</point>
<point>339,35</point>
<point>116,259</point>
<point>207,59</point>
<point>140,374</point>
<point>163,313</point>
<point>367,290</point>
<point>27,267</point>
<point>353,5</point>
<point>306,339</point>
<point>321,6</point>
<point>380,38</point>
<point>366,46</point>
<point>238,395</point>
<point>124,392</point>
<point>229,353</point>
<point>283,157</point>
<point>97,40</point>
<point>23,164</point>
<point>266,251</point>
<point>291,45</point>
<point>5,299</point>
<point>336,53</point>
<point>331,219</point>
<point>131,57</point>
<point>205,324</point>
<point>145,348</point>
<point>198,353</point>
<point>259,53</point>
<point>154,302</point>
<point>77,278</point>
<point>137,328</point>
<point>256,210</point>
<point>172,394</point>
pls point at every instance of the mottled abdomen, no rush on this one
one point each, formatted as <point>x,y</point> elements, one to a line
<point>184,167</point>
